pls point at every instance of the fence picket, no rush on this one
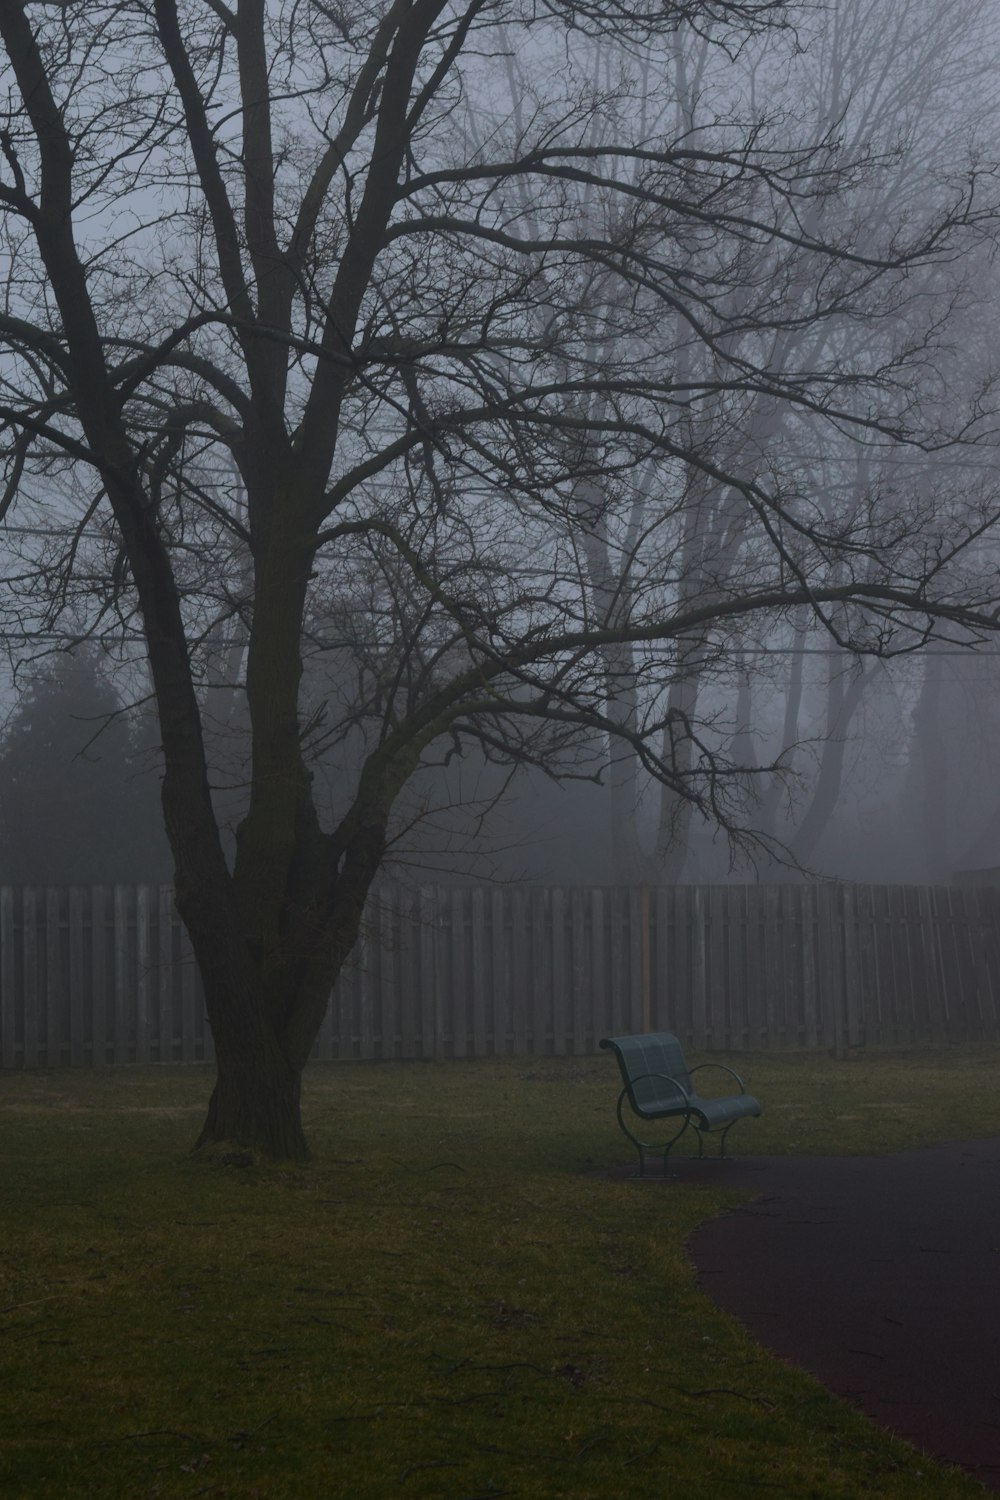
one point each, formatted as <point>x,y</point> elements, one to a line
<point>852,973</point>
<point>807,960</point>
<point>409,975</point>
<point>500,958</point>
<point>8,993</point>
<point>829,968</point>
<point>99,975</point>
<point>633,948</point>
<point>774,1010</point>
<point>388,966</point>
<point>697,921</point>
<point>984,988</point>
<point>459,991</point>
<point>143,976</point>
<point>990,913</point>
<point>580,995</point>
<point>674,983</point>
<point>120,1052</point>
<point>930,956</point>
<point>738,985</point>
<point>430,1033</point>
<point>541,1022</point>
<point>621,978</point>
<point>601,1019</point>
<point>77,998</point>
<point>717,961</point>
<point>53,982</point>
<point>479,974</point>
<point>520,963</point>
<point>904,983</point>
<point>560,978</point>
<point>29,948</point>
<point>661,954</point>
<point>164,974</point>
<point>753,984</point>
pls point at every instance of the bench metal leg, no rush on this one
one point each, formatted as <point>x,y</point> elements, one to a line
<point>673,1141</point>
<point>643,1146</point>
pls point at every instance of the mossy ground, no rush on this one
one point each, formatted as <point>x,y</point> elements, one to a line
<point>451,1300</point>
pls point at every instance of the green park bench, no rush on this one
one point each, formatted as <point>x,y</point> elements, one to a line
<point>658,1087</point>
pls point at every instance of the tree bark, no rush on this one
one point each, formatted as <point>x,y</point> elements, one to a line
<point>842,702</point>
<point>256,1104</point>
<point>767,820</point>
<point>265,1011</point>
<point>929,772</point>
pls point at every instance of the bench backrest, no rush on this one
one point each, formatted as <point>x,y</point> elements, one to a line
<point>657,1052</point>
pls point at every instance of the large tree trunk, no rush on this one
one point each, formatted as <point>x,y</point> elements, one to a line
<point>928,777</point>
<point>674,825</point>
<point>266,1000</point>
<point>612,594</point>
<point>263,1028</point>
<point>842,701</point>
<point>767,818</point>
<point>256,1104</point>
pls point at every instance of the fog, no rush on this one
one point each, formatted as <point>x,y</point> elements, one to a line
<point>905,791</point>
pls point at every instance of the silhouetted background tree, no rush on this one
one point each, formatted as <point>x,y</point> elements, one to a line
<point>79,783</point>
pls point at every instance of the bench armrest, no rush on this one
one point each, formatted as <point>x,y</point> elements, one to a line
<point>664,1077</point>
<point>739,1080</point>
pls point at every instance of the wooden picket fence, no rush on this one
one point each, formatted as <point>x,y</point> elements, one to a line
<point>95,975</point>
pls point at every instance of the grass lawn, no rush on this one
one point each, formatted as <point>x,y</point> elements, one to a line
<point>451,1301</point>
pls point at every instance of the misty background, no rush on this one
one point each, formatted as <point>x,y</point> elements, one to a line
<point>904,791</point>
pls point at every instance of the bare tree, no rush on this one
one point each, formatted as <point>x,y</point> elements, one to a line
<point>908,88</point>
<point>258,231</point>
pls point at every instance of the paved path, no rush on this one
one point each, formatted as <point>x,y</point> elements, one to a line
<point>880,1276</point>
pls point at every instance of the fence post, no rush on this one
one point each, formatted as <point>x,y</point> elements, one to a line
<point>8,999</point>
<point>76,978</point>
<point>647,1024</point>
<point>29,948</point>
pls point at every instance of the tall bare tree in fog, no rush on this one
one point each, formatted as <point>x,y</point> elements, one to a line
<point>916,84</point>
<point>908,91</point>
<point>265,232</point>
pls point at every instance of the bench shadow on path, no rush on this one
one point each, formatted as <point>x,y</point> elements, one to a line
<point>880,1276</point>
